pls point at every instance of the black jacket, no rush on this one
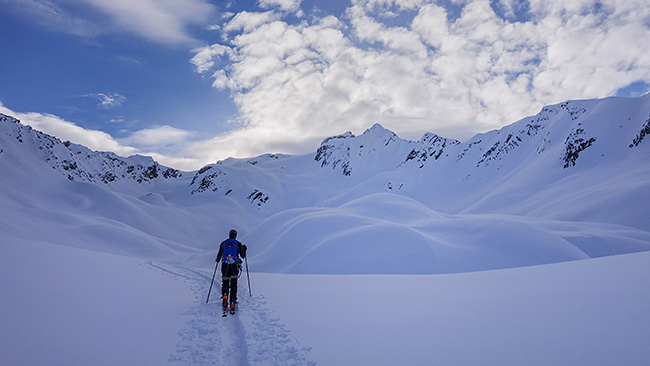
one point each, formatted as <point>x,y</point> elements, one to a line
<point>241,250</point>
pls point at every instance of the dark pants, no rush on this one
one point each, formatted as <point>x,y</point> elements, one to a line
<point>229,275</point>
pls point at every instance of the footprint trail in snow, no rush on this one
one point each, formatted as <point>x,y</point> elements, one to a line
<point>252,337</point>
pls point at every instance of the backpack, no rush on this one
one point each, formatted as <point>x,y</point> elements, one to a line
<point>230,248</point>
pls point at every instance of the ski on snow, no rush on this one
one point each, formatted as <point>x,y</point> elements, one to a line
<point>226,311</point>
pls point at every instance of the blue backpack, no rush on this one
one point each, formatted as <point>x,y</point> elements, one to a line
<point>230,248</point>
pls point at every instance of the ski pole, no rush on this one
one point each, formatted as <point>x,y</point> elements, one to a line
<point>214,274</point>
<point>249,278</point>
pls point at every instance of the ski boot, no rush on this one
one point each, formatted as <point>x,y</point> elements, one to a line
<point>224,304</point>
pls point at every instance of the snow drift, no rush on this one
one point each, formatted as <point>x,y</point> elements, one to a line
<point>388,233</point>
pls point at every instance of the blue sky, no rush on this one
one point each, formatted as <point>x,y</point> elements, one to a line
<point>191,82</point>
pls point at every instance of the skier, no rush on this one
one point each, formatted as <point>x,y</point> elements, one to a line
<point>229,252</point>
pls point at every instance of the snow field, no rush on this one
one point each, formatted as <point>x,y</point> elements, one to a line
<point>251,337</point>
<point>385,233</point>
<point>73,306</point>
<point>589,312</point>
<point>68,306</point>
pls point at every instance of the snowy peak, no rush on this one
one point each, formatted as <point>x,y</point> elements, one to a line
<point>378,132</point>
<point>565,132</point>
<point>339,152</point>
<point>247,181</point>
<point>77,162</point>
<point>374,151</point>
<point>334,152</point>
<point>376,138</point>
<point>347,135</point>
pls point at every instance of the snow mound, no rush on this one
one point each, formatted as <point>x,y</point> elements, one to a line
<point>391,234</point>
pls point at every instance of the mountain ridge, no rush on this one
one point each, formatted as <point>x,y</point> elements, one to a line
<point>77,162</point>
<point>336,151</point>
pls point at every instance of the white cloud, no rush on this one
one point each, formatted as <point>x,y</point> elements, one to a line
<point>167,145</point>
<point>285,5</point>
<point>171,146</point>
<point>221,80</point>
<point>161,21</point>
<point>300,82</point>
<point>248,21</point>
<point>431,24</point>
<point>64,130</point>
<point>108,101</point>
<point>204,57</point>
<point>156,137</point>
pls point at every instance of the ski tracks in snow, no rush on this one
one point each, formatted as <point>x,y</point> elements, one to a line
<point>252,337</point>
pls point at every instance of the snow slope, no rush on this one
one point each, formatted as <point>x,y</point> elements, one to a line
<point>68,306</point>
<point>526,245</point>
<point>589,312</point>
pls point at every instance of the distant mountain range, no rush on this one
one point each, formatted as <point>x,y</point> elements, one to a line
<point>576,172</point>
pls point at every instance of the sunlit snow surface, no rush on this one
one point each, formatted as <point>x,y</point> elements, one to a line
<point>527,245</point>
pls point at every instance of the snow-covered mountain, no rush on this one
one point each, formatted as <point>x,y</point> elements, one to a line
<point>572,140</point>
<point>77,162</point>
<point>570,182</point>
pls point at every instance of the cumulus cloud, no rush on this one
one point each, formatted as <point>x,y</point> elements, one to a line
<point>421,68</point>
<point>204,57</point>
<point>249,21</point>
<point>285,5</point>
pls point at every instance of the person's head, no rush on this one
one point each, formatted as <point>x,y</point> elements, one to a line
<point>232,234</point>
